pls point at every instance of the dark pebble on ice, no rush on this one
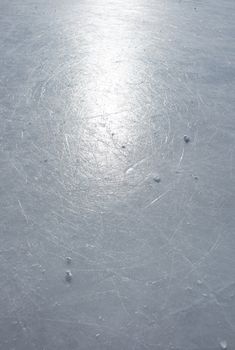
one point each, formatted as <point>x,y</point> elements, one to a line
<point>186,139</point>
<point>68,276</point>
<point>157,179</point>
<point>123,146</point>
<point>68,260</point>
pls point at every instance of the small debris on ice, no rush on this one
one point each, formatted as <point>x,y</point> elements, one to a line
<point>68,260</point>
<point>157,179</point>
<point>223,345</point>
<point>186,139</point>
<point>123,146</point>
<point>97,335</point>
<point>199,282</point>
<point>68,276</point>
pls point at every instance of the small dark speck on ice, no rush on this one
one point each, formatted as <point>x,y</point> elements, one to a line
<point>157,179</point>
<point>186,139</point>
<point>68,260</point>
<point>123,146</point>
<point>68,276</point>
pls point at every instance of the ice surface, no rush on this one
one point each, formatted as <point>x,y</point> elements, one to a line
<point>80,79</point>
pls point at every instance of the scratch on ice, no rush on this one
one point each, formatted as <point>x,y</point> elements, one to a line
<point>22,211</point>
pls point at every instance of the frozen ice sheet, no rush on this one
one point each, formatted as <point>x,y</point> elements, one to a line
<point>96,97</point>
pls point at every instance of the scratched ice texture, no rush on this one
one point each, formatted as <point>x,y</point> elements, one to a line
<point>96,97</point>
